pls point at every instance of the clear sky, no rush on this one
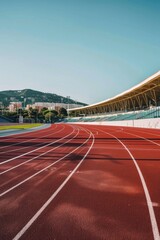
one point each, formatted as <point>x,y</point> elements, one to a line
<point>89,50</point>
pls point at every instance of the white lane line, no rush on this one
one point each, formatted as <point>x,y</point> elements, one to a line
<point>148,132</point>
<point>32,139</point>
<point>23,133</point>
<point>42,154</point>
<point>39,212</point>
<point>24,154</point>
<point>42,170</point>
<point>154,224</point>
<point>8,139</point>
<point>146,139</point>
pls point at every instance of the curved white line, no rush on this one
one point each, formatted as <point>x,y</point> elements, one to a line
<point>39,212</point>
<point>24,154</point>
<point>154,225</point>
<point>42,154</point>
<point>42,170</point>
<point>31,130</point>
<point>148,132</point>
<point>146,139</point>
<point>15,144</point>
<point>30,140</point>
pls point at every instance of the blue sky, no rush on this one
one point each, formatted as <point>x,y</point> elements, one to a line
<point>89,50</point>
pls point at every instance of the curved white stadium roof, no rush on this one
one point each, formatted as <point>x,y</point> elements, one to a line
<point>146,85</point>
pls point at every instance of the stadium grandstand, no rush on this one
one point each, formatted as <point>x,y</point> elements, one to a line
<point>139,102</point>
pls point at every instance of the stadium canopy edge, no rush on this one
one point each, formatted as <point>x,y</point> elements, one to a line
<point>142,96</point>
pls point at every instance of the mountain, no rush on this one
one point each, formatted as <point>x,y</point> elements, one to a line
<point>29,96</point>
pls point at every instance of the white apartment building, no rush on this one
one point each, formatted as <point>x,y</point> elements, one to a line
<point>14,106</point>
<point>52,106</point>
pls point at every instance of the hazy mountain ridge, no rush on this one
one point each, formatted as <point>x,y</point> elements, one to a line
<point>30,96</point>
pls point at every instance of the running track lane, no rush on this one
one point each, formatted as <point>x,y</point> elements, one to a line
<point>45,182</point>
<point>104,197</point>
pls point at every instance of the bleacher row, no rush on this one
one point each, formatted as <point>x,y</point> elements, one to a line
<point>143,114</point>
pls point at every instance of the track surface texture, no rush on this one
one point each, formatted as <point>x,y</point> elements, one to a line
<point>80,182</point>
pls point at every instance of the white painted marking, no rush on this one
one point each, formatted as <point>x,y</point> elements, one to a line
<point>32,139</point>
<point>154,225</point>
<point>42,154</point>
<point>14,144</point>
<point>148,132</point>
<point>146,139</point>
<point>31,130</point>
<point>24,154</point>
<point>42,170</point>
<point>155,204</point>
<point>39,212</point>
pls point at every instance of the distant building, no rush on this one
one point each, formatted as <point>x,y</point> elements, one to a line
<point>14,106</point>
<point>51,106</point>
<point>41,105</point>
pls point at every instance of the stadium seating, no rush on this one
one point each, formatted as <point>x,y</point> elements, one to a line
<point>142,114</point>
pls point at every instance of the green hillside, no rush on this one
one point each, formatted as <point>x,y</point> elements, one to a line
<point>29,96</point>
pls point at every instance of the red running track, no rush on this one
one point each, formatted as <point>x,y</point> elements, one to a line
<point>80,182</point>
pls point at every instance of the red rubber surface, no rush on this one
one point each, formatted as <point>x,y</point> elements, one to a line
<point>45,194</point>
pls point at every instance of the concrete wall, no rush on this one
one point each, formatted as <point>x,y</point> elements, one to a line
<point>143,123</point>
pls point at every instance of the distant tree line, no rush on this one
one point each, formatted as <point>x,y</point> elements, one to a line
<point>33,115</point>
